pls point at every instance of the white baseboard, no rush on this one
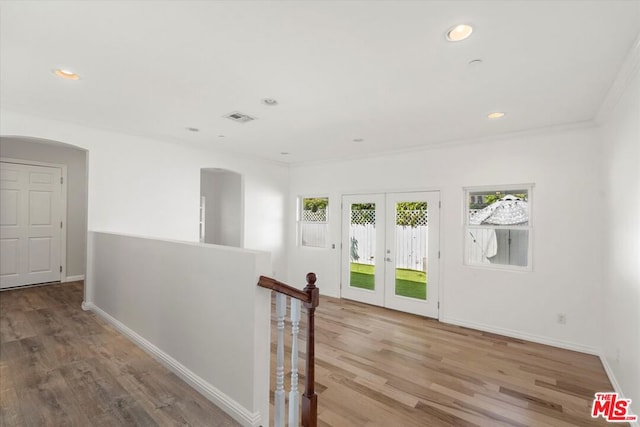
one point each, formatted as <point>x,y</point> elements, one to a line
<point>227,404</point>
<point>609,371</point>
<point>615,384</point>
<point>523,336</point>
<point>73,278</point>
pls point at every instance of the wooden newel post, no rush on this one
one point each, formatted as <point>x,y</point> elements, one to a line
<point>310,398</point>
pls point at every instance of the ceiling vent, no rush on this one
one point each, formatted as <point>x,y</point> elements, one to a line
<point>239,117</point>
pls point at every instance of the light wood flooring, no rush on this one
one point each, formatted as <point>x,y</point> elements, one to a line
<point>61,366</point>
<point>378,367</point>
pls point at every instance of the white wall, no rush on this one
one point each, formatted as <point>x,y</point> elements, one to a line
<point>621,293</point>
<point>190,306</point>
<point>148,187</point>
<point>567,250</point>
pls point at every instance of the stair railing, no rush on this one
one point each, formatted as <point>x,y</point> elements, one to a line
<point>310,297</point>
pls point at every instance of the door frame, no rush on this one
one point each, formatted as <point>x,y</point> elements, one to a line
<point>63,208</point>
<point>430,305</point>
<point>375,297</point>
<point>440,301</point>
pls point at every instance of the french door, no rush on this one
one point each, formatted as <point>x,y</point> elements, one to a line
<point>390,250</point>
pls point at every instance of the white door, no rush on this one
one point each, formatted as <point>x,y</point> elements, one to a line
<point>390,250</point>
<point>363,228</point>
<point>30,224</point>
<point>412,252</point>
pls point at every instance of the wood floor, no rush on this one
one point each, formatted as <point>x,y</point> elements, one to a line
<point>374,367</point>
<point>61,366</point>
<point>377,367</point>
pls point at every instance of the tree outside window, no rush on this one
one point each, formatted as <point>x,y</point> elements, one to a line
<point>313,222</point>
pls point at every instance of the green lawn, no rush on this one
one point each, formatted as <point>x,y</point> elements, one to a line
<point>409,283</point>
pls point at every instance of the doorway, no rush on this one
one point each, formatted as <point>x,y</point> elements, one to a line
<point>221,207</point>
<point>390,250</point>
<point>32,213</point>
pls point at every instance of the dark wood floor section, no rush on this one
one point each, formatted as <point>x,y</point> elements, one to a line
<point>378,367</point>
<point>61,366</point>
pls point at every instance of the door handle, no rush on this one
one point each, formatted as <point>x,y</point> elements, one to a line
<point>388,259</point>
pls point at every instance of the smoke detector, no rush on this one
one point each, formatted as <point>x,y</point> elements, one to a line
<point>239,117</point>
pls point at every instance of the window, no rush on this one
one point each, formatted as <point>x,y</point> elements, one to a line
<point>498,226</point>
<point>313,221</point>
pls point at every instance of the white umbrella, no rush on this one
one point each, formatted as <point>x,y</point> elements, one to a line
<point>509,210</point>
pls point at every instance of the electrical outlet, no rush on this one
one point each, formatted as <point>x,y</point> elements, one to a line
<point>562,318</point>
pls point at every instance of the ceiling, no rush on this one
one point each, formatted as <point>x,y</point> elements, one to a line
<point>380,71</point>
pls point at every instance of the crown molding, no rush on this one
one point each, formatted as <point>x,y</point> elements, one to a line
<point>452,143</point>
<point>630,68</point>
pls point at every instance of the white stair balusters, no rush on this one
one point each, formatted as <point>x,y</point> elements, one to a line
<point>294,394</point>
<point>279,410</point>
<point>302,408</point>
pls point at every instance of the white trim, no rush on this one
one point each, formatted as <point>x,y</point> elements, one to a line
<point>345,233</point>
<point>523,336</point>
<point>529,227</point>
<point>227,404</point>
<point>73,278</point>
<point>63,203</point>
<point>183,242</point>
<point>614,382</point>
<point>390,190</point>
<point>243,224</point>
<point>299,222</point>
<point>628,70</point>
<point>31,162</point>
<point>33,285</point>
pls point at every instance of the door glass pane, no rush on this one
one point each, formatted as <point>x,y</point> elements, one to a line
<point>362,245</point>
<point>411,236</point>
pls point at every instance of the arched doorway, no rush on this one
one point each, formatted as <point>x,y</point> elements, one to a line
<point>221,207</point>
<point>29,152</point>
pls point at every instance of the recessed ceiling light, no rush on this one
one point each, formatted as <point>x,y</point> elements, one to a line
<point>285,153</point>
<point>495,115</point>
<point>192,129</point>
<point>358,139</point>
<point>220,136</point>
<point>270,102</point>
<point>66,74</point>
<point>459,32</point>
